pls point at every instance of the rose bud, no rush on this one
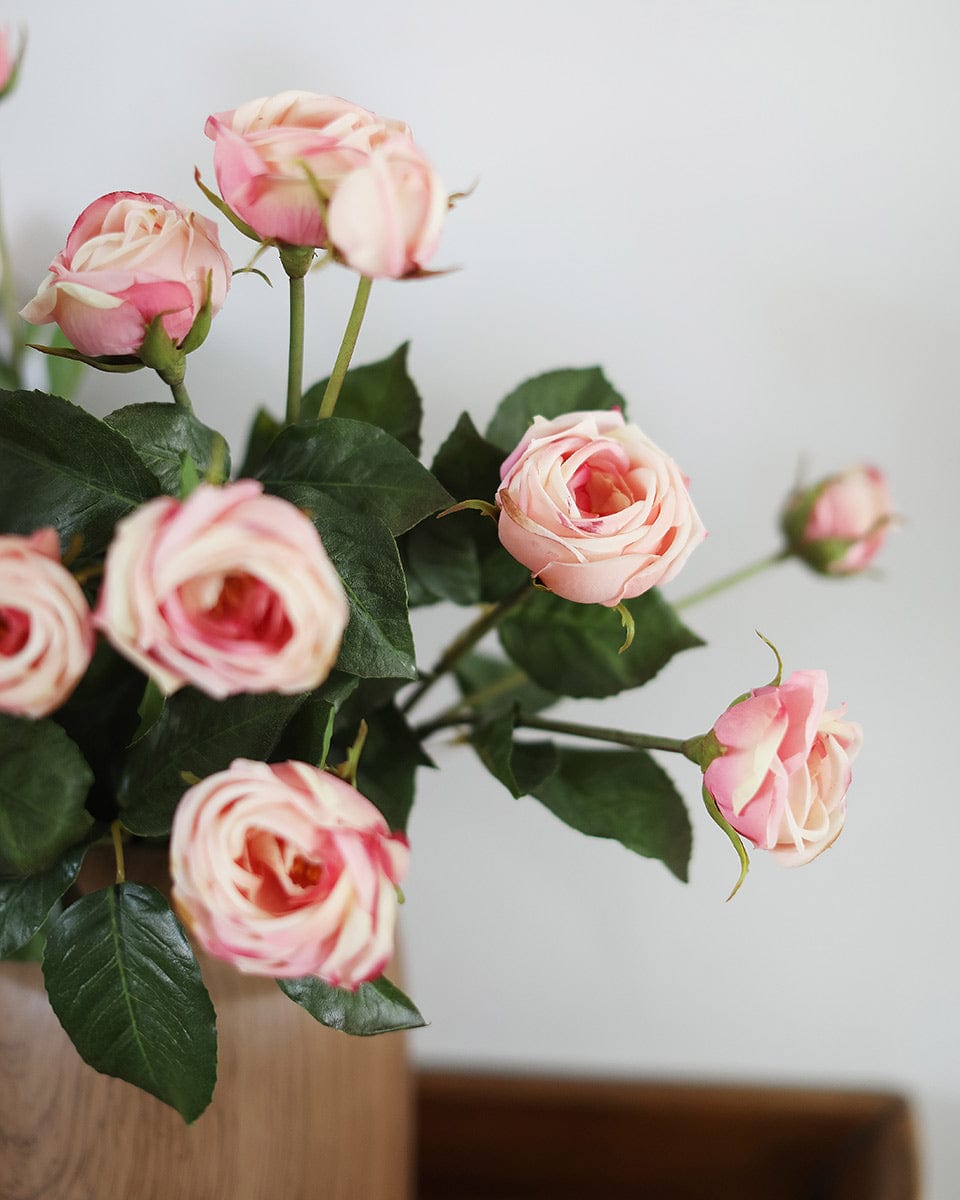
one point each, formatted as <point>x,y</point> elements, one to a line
<point>131,257</point>
<point>46,631</point>
<point>229,590</point>
<point>10,60</point>
<point>279,159</point>
<point>595,510</point>
<point>385,217</point>
<point>286,870</point>
<point>839,525</point>
<point>783,768</point>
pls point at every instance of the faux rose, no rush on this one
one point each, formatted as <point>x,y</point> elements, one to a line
<point>229,590</point>
<point>46,631</point>
<point>273,156</point>
<point>385,216</point>
<point>596,511</point>
<point>131,257</point>
<point>783,770</point>
<point>286,870</point>
<point>839,525</point>
<point>10,59</point>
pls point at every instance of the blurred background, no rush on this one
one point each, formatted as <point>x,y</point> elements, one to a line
<point>747,212</point>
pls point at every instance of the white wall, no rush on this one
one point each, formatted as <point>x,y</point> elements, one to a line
<point>747,210</point>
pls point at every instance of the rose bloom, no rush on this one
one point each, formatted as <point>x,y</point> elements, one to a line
<point>229,590</point>
<point>46,631</point>
<point>385,217</point>
<point>266,151</point>
<point>839,525</point>
<point>783,776</point>
<point>130,257</point>
<point>286,870</point>
<point>596,511</point>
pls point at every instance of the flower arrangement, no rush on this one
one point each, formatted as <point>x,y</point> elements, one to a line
<point>220,660</point>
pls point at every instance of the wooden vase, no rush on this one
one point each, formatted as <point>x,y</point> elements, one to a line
<point>299,1111</point>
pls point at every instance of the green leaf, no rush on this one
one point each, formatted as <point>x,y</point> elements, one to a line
<point>63,374</point>
<point>388,765</point>
<point>624,795</point>
<point>378,642</point>
<point>44,781</point>
<point>78,474</point>
<point>494,686</point>
<point>162,433</point>
<point>126,987</point>
<point>199,735</point>
<point>25,903</point>
<point>573,649</point>
<point>308,735</point>
<point>381,393</point>
<point>375,1007</point>
<point>459,557</point>
<point>264,429</point>
<point>551,395</point>
<point>519,766</point>
<point>364,469</point>
<point>101,717</point>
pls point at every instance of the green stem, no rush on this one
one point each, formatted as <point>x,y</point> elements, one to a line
<point>181,395</point>
<point>117,836</point>
<point>8,300</point>
<point>465,641</point>
<point>347,346</point>
<point>727,581</point>
<point>295,354</point>
<point>597,733</point>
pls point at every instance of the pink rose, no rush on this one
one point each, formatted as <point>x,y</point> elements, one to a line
<point>385,217</point>
<point>46,631</point>
<point>783,774</point>
<point>131,257</point>
<point>229,590</point>
<point>286,870</point>
<point>596,511</point>
<point>266,151</point>
<point>839,525</point>
<point>10,60</point>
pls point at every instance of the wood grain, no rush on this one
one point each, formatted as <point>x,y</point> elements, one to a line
<point>299,1111</point>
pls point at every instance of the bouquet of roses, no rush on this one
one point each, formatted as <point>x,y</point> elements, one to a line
<point>219,658</point>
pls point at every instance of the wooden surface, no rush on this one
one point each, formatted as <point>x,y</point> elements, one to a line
<point>514,1138</point>
<point>299,1111</point>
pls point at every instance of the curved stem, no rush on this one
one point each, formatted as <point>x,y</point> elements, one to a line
<point>181,395</point>
<point>295,353</point>
<point>347,346</point>
<point>466,640</point>
<point>727,581</point>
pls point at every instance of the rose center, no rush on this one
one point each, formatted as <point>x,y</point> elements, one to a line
<point>14,630</point>
<point>239,607</point>
<point>598,493</point>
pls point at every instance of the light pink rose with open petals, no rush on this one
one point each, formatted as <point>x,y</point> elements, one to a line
<point>229,590</point>
<point>596,511</point>
<point>286,870</point>
<point>273,155</point>
<point>783,776</point>
<point>46,629</point>
<point>839,525</point>
<point>385,217</point>
<point>130,257</point>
